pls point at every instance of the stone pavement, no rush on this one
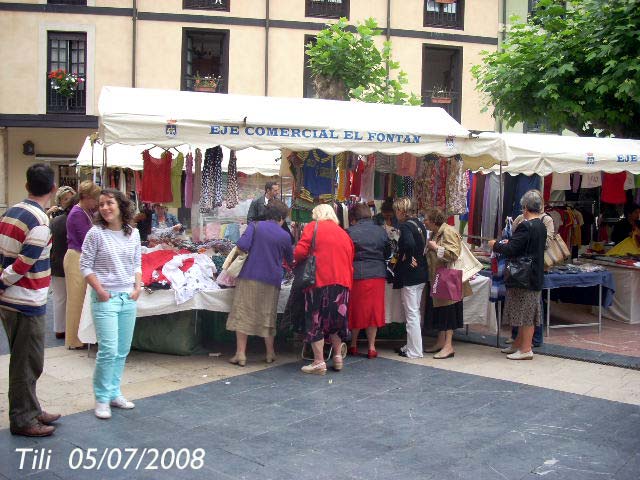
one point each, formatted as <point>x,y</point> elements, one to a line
<point>475,416</point>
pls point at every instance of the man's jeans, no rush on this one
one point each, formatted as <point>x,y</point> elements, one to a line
<point>114,321</point>
<point>26,344</point>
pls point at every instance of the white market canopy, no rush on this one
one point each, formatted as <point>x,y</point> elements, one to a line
<point>249,161</point>
<point>544,154</point>
<point>170,118</point>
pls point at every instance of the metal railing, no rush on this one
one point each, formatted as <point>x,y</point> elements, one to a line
<point>206,4</point>
<point>327,8</point>
<point>57,103</point>
<point>451,103</point>
<point>446,15</point>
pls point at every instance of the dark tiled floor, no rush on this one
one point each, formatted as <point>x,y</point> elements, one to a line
<point>379,419</point>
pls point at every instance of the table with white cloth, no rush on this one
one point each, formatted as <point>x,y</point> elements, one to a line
<point>477,309</point>
<point>163,302</point>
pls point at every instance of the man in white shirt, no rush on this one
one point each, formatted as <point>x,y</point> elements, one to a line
<point>258,206</point>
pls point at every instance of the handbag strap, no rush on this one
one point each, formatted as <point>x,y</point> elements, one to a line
<point>313,239</point>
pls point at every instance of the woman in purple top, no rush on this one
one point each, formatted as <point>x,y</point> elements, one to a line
<point>255,303</point>
<point>79,221</point>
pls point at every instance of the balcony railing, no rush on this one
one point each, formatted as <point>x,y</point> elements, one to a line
<point>57,103</point>
<point>444,15</point>
<point>190,86</point>
<point>327,8</point>
<point>206,4</point>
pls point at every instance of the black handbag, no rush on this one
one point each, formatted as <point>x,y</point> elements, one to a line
<point>309,270</point>
<point>518,271</point>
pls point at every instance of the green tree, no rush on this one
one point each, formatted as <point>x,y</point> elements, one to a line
<point>574,63</point>
<point>346,65</point>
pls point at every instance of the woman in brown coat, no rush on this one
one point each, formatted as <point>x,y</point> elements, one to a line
<point>443,249</point>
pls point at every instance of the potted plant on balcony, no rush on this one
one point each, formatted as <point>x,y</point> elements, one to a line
<point>440,94</point>
<point>206,83</point>
<point>65,83</point>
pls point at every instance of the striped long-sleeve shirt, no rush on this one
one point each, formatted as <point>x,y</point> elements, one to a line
<point>112,256</point>
<point>25,243</point>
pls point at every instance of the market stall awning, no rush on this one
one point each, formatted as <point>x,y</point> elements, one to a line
<point>249,161</point>
<point>544,154</point>
<point>170,118</point>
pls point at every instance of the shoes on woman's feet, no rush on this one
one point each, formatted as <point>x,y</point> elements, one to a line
<point>353,351</point>
<point>399,350</point>
<point>343,350</point>
<point>509,349</point>
<point>518,355</point>
<point>442,356</point>
<point>315,368</point>
<point>338,362</point>
<point>270,358</point>
<point>121,402</point>
<point>509,341</point>
<point>372,354</point>
<point>102,410</point>
<point>237,359</point>
<point>434,349</point>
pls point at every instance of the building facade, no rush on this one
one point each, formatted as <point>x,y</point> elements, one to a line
<point>255,47</point>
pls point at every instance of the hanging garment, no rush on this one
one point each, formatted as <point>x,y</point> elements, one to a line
<point>629,183</point>
<point>456,187</point>
<point>425,184</point>
<point>441,183</point>
<point>211,179</point>
<point>408,186</point>
<point>232,181</point>
<point>197,179</point>
<point>217,177</point>
<point>575,182</point>
<point>385,163</point>
<point>469,182</point>
<point>591,180</point>
<point>547,187</point>
<point>317,172</point>
<point>188,183</point>
<point>176,181</point>
<point>561,181</point>
<point>490,209</point>
<point>406,165</point>
<point>368,178</point>
<point>613,187</point>
<point>356,179</point>
<point>343,182</point>
<point>156,179</point>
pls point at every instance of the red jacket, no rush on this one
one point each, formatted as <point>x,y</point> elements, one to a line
<point>334,253</point>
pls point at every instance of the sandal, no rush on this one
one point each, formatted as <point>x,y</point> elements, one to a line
<point>338,363</point>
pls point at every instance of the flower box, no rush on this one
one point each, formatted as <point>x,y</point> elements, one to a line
<point>206,89</point>
<point>440,99</point>
<point>446,1</point>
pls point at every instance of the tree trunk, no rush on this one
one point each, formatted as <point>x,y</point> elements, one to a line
<point>330,88</point>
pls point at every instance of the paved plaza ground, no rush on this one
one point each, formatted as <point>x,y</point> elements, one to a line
<point>476,416</point>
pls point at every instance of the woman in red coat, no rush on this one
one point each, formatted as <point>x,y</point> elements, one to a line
<point>326,302</point>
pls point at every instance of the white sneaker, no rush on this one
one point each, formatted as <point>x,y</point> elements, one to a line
<point>521,355</point>
<point>509,341</point>
<point>102,410</point>
<point>509,350</point>
<point>121,402</point>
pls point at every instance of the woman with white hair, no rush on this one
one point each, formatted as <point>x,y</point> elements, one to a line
<point>522,306</point>
<point>327,300</point>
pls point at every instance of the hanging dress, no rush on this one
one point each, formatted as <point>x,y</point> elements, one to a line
<point>232,181</point>
<point>156,178</point>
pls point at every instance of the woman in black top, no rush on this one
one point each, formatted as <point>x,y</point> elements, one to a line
<point>523,307</point>
<point>410,274</point>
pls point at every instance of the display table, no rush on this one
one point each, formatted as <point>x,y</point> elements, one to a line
<point>162,302</point>
<point>626,302</point>
<point>477,309</point>
<point>583,288</point>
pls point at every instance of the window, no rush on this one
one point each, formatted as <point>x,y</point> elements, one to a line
<point>206,4</point>
<point>442,79</point>
<point>67,2</point>
<point>67,51</point>
<point>327,8</point>
<point>309,87</point>
<point>444,13</point>
<point>205,53</point>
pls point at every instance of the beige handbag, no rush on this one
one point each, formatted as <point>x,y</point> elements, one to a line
<point>234,262</point>
<point>466,262</point>
<point>557,252</point>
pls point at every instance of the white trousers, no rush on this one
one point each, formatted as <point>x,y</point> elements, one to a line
<point>59,289</point>
<point>411,297</point>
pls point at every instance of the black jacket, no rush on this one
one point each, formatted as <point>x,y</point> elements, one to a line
<point>257,210</point>
<point>528,239</point>
<point>58,227</point>
<point>411,244</point>
<point>372,249</point>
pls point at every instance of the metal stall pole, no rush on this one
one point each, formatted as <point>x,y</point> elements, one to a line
<point>499,220</point>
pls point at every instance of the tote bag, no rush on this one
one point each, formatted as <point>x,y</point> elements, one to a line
<point>557,252</point>
<point>309,270</point>
<point>236,259</point>
<point>467,263</point>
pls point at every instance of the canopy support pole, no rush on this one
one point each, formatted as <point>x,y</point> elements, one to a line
<point>500,209</point>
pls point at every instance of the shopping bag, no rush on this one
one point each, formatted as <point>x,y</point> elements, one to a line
<point>556,252</point>
<point>234,262</point>
<point>309,270</point>
<point>447,284</point>
<point>467,263</point>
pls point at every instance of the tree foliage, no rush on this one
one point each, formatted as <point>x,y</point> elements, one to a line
<point>354,62</point>
<point>575,64</point>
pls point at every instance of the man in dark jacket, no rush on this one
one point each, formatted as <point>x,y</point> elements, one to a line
<point>258,207</point>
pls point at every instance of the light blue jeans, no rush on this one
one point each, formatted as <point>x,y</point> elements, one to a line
<point>114,321</point>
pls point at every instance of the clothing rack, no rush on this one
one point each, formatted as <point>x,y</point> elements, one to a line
<point>576,203</point>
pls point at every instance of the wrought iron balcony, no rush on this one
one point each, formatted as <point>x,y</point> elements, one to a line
<point>57,103</point>
<point>327,8</point>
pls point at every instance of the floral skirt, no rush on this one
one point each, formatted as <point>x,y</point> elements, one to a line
<point>325,310</point>
<point>522,307</point>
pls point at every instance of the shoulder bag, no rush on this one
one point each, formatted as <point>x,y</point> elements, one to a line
<point>466,262</point>
<point>236,259</point>
<point>556,252</point>
<point>309,270</point>
<point>518,271</point>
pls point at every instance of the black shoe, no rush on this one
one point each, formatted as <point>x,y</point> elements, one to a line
<point>403,354</point>
<point>400,350</point>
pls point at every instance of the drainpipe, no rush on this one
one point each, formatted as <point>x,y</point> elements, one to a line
<point>134,20</point>
<point>266,51</point>
<point>503,36</point>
